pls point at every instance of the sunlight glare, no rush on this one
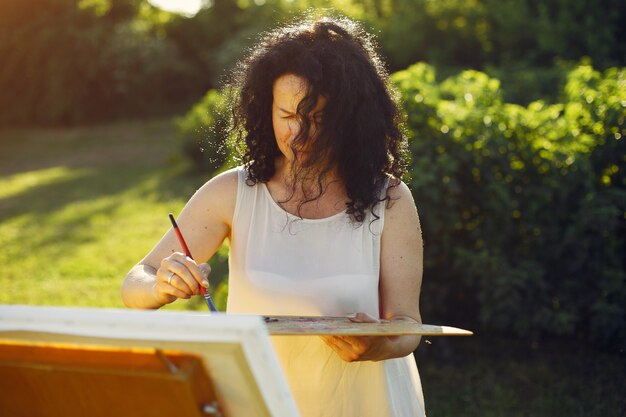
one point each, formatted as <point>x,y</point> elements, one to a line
<point>186,7</point>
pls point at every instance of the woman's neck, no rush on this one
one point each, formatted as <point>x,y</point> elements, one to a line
<point>305,180</point>
<point>307,183</point>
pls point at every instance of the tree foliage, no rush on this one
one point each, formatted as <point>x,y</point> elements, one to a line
<point>84,61</point>
<point>203,132</point>
<point>66,63</point>
<point>523,208</point>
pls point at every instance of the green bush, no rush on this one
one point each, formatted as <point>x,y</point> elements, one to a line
<point>525,44</point>
<point>523,208</point>
<point>66,63</point>
<point>203,132</point>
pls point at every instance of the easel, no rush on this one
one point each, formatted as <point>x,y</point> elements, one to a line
<point>70,380</point>
<point>93,362</point>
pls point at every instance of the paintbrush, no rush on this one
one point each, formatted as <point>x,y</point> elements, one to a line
<point>181,240</point>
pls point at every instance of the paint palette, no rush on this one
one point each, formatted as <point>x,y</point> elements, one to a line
<point>322,325</point>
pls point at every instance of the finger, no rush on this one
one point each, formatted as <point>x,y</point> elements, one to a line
<point>329,340</point>
<point>362,318</point>
<point>159,295</point>
<point>171,290</point>
<point>350,348</point>
<point>334,343</point>
<point>186,268</point>
<point>183,278</point>
<point>340,347</point>
<point>199,272</point>
<point>166,282</point>
<point>358,344</point>
<point>164,285</point>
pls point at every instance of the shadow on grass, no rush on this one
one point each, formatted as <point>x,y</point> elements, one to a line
<point>95,184</point>
<point>140,142</point>
<point>61,210</point>
<point>494,375</point>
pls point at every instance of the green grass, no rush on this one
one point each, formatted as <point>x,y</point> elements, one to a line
<point>79,207</point>
<point>493,376</point>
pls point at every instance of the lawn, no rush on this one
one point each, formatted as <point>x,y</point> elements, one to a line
<point>495,376</point>
<point>80,206</point>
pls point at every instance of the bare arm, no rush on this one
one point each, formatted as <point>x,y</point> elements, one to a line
<point>401,267</point>
<point>166,274</point>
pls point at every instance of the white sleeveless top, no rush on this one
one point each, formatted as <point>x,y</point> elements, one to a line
<point>280,264</point>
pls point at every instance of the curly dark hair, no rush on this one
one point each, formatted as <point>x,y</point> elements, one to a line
<point>359,137</point>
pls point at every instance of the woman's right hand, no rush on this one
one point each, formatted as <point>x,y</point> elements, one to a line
<point>179,276</point>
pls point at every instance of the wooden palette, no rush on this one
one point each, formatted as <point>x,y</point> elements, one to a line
<point>311,325</point>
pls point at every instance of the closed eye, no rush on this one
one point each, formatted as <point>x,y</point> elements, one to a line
<point>315,120</point>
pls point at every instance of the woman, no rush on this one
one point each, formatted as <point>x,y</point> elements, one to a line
<point>318,220</point>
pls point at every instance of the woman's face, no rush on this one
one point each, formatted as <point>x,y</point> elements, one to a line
<point>288,91</point>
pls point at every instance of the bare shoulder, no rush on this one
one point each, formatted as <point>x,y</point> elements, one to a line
<point>225,182</point>
<point>401,212</point>
<point>219,195</point>
<point>398,189</point>
<point>400,198</point>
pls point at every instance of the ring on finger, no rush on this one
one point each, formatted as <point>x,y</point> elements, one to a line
<point>169,278</point>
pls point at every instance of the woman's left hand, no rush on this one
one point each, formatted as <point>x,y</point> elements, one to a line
<point>359,348</point>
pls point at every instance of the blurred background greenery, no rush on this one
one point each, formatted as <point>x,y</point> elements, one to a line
<point>111,116</point>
